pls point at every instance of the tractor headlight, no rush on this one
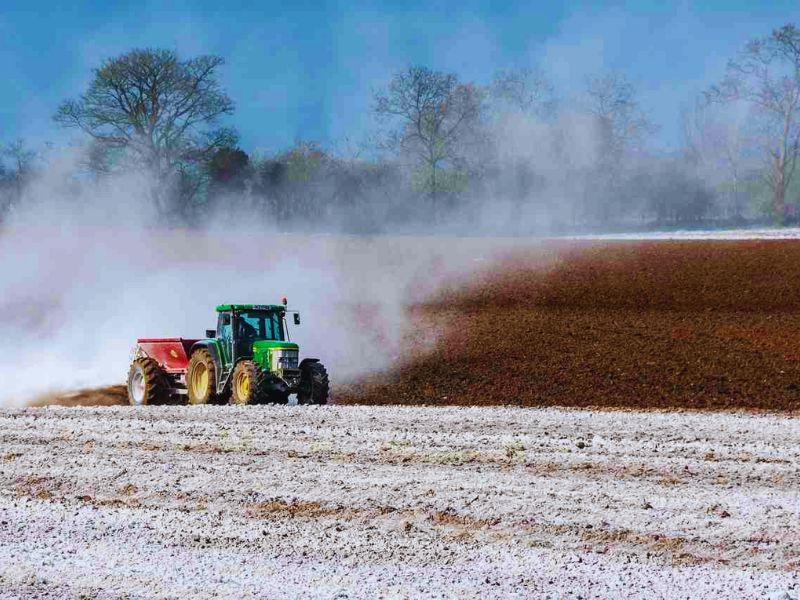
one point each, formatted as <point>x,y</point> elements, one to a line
<point>285,359</point>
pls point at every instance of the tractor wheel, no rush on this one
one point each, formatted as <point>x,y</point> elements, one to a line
<point>147,383</point>
<point>201,381</point>
<point>314,384</point>
<point>248,384</point>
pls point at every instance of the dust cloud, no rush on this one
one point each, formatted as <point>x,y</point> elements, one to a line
<point>88,269</point>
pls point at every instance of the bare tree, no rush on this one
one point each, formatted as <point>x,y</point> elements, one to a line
<point>526,90</point>
<point>15,171</point>
<point>622,130</point>
<point>521,100</point>
<point>766,76</point>
<point>152,106</point>
<point>612,99</point>
<point>436,116</point>
<point>716,147</point>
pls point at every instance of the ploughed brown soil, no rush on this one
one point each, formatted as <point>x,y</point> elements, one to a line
<point>108,396</point>
<point>694,324</point>
<point>660,324</point>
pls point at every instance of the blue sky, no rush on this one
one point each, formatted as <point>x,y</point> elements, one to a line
<point>306,70</point>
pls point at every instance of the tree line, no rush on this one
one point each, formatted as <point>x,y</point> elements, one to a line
<point>507,156</point>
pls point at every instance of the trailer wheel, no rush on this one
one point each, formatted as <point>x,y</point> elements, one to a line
<point>314,384</point>
<point>201,381</point>
<point>147,383</point>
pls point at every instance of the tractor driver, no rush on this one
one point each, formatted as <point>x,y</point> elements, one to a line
<point>246,331</point>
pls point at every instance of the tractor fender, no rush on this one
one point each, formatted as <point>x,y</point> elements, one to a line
<point>213,349</point>
<point>307,361</point>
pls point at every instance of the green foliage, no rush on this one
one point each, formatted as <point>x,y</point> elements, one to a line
<point>303,161</point>
<point>228,165</point>
<point>425,180</point>
<point>760,193</point>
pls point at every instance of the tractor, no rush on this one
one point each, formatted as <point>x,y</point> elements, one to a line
<point>248,359</point>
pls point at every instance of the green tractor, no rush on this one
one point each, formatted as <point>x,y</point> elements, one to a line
<point>248,359</point>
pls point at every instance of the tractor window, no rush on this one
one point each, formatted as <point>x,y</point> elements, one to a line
<point>259,326</point>
<point>224,326</point>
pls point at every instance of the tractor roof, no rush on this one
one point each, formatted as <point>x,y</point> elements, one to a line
<point>227,307</point>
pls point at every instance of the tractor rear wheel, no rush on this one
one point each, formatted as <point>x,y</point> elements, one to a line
<point>147,383</point>
<point>201,381</point>
<point>314,384</point>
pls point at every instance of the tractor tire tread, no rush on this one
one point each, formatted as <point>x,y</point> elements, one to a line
<point>258,384</point>
<point>317,374</point>
<point>156,386</point>
<point>204,356</point>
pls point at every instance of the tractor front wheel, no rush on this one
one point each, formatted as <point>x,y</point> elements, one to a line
<point>314,384</point>
<point>147,383</point>
<point>201,381</point>
<point>248,384</point>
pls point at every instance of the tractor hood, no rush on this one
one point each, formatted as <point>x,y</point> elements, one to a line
<point>265,355</point>
<point>266,345</point>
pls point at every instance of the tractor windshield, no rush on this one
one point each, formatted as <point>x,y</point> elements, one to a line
<point>260,325</point>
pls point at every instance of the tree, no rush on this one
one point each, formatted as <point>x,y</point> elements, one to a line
<point>672,193</point>
<point>156,109</point>
<point>17,163</point>
<point>293,186</point>
<point>717,149</point>
<point>766,77</point>
<point>5,192</point>
<point>525,90</point>
<point>229,169</point>
<point>521,101</point>
<point>437,117</point>
<point>611,98</point>
<point>621,128</point>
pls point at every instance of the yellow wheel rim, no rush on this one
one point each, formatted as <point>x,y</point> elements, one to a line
<point>200,381</point>
<point>243,387</point>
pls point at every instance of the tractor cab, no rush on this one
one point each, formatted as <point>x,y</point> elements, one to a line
<point>239,327</point>
<point>257,332</point>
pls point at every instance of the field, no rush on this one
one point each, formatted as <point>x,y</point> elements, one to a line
<point>580,418</point>
<point>396,502</point>
<point>695,324</point>
<point>689,324</point>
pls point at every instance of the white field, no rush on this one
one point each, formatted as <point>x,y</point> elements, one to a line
<point>397,502</point>
<point>786,233</point>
